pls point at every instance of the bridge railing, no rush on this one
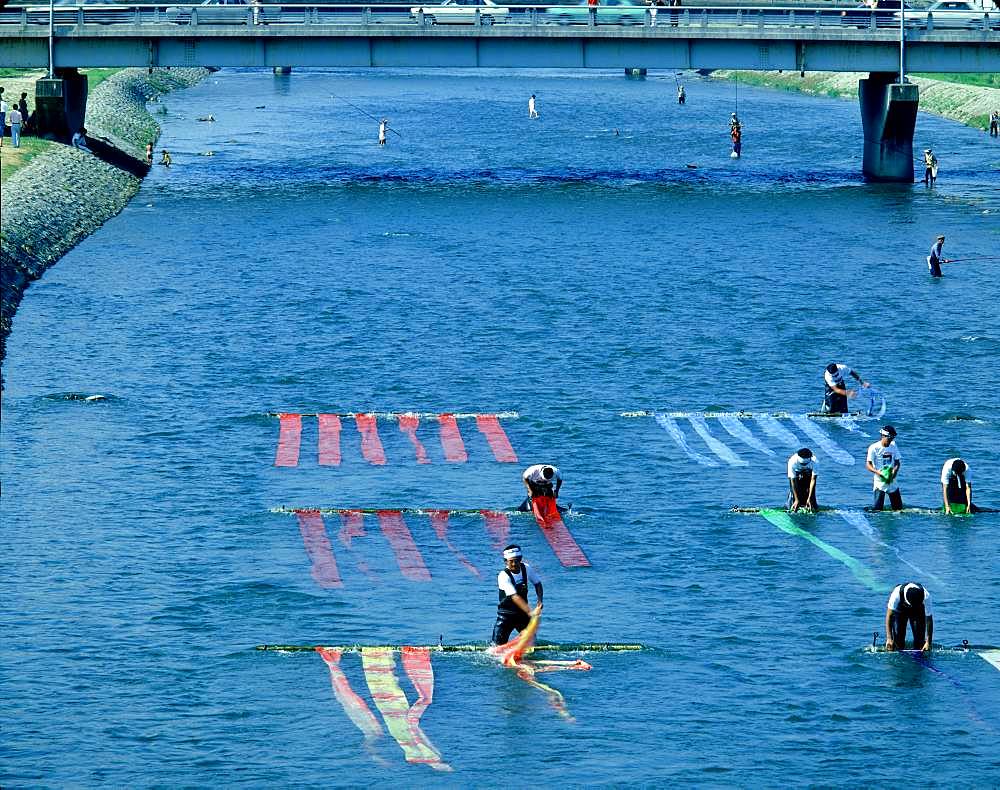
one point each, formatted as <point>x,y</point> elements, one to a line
<point>749,17</point>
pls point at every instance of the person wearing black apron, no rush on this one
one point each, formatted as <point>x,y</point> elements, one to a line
<point>909,603</point>
<point>802,481</point>
<point>956,487</point>
<point>513,612</point>
<point>836,393</point>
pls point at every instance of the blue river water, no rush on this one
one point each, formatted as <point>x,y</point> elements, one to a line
<point>565,269</point>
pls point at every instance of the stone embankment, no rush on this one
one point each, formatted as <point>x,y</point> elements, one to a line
<point>64,195</point>
<point>968,104</point>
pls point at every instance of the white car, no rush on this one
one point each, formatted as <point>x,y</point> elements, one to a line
<point>951,14</point>
<point>461,12</point>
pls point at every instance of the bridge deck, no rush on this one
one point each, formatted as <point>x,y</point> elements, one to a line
<point>799,39</point>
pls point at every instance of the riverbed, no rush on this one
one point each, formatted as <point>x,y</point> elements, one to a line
<point>607,257</point>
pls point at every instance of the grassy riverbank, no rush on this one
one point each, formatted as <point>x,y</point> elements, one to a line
<point>16,81</point>
<point>967,98</point>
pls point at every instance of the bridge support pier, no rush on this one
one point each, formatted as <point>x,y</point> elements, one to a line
<point>60,104</point>
<point>888,118</point>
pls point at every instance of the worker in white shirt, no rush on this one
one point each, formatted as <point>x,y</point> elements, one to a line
<point>802,481</point>
<point>541,480</point>
<point>513,611</point>
<point>956,487</point>
<point>909,603</point>
<point>837,392</point>
<point>883,461</point>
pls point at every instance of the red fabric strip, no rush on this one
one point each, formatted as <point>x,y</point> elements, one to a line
<point>352,525</point>
<point>451,439</point>
<point>355,707</point>
<point>329,439</point>
<point>324,565</point>
<point>489,426</point>
<point>408,424</point>
<point>550,522</point>
<point>411,564</point>
<point>371,444</point>
<point>417,663</point>
<point>289,439</point>
<point>439,520</point>
<point>498,525</point>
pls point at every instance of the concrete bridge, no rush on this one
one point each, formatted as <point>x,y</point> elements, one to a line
<point>492,36</point>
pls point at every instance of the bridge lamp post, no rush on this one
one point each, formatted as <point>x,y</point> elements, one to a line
<point>902,22</point>
<point>51,33</point>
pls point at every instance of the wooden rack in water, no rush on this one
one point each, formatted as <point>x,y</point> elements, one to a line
<point>570,647</point>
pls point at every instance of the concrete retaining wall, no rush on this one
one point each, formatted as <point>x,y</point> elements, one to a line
<point>65,195</point>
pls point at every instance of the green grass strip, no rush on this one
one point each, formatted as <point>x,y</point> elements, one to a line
<point>861,572</point>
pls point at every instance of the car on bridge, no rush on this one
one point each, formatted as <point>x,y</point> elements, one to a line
<point>461,12</point>
<point>211,12</point>
<point>884,13</point>
<point>952,14</point>
<point>608,12</point>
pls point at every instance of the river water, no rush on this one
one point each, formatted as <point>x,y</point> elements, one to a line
<point>565,269</point>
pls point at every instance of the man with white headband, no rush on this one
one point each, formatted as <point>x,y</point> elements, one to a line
<point>883,461</point>
<point>837,392</point>
<point>541,480</point>
<point>513,612</point>
<point>802,481</point>
<point>909,603</point>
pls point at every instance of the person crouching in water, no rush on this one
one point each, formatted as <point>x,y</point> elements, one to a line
<point>802,481</point>
<point>540,480</point>
<point>909,603</point>
<point>513,612</point>
<point>956,488</point>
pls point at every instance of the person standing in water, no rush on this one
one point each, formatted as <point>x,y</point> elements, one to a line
<point>532,112</point>
<point>681,95</point>
<point>935,259</point>
<point>383,127</point>
<point>883,461</point>
<point>513,612</point>
<point>930,167</point>
<point>836,390</point>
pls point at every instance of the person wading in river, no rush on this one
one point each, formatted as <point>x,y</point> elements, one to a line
<point>909,603</point>
<point>935,258</point>
<point>883,461</point>
<point>802,481</point>
<point>513,612</point>
<point>836,392</point>
<point>956,487</point>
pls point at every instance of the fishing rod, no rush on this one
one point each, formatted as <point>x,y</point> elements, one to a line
<point>365,112</point>
<point>975,258</point>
